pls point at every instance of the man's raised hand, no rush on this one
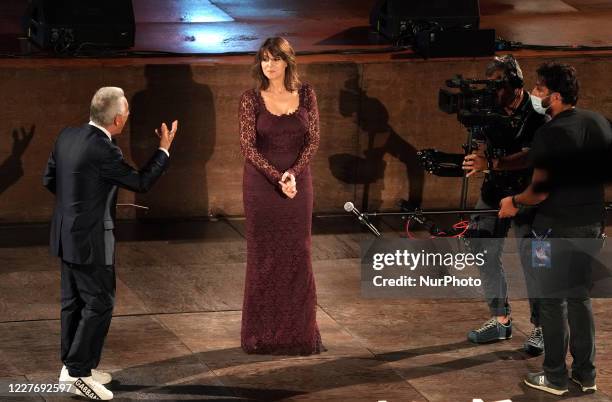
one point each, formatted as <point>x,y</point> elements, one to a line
<point>166,137</point>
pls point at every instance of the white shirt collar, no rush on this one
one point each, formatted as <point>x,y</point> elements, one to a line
<point>105,131</point>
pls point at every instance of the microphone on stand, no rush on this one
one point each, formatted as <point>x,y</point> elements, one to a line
<point>349,207</point>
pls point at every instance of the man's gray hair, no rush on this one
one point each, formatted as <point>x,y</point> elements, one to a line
<point>507,64</point>
<point>106,104</point>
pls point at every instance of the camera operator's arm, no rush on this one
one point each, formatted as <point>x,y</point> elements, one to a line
<point>533,195</point>
<point>517,161</point>
<point>475,163</point>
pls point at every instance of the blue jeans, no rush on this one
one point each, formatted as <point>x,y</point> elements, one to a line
<point>489,226</point>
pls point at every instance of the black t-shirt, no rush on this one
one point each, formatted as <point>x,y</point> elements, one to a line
<point>507,139</point>
<point>574,149</point>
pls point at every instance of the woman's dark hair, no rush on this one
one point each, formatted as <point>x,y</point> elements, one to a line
<point>559,77</point>
<point>277,47</point>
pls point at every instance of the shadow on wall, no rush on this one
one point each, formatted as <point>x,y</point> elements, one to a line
<point>11,170</point>
<point>172,94</point>
<point>369,170</point>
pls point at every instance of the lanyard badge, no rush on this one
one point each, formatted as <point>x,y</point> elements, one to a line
<point>541,254</point>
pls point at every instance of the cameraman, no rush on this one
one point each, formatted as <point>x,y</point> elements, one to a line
<point>506,166</point>
<point>569,155</point>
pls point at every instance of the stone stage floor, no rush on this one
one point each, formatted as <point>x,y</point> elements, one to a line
<point>176,329</point>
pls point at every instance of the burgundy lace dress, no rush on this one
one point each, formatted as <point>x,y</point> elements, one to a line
<point>279,311</point>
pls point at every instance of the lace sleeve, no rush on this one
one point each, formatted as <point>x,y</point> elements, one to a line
<point>313,136</point>
<point>248,136</point>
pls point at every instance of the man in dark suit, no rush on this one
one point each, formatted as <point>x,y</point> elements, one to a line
<point>84,171</point>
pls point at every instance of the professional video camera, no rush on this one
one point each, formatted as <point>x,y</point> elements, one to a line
<point>475,102</point>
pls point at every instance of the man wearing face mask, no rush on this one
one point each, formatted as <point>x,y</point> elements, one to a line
<point>507,168</point>
<point>570,155</point>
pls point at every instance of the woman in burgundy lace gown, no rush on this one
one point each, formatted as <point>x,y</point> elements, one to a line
<point>279,134</point>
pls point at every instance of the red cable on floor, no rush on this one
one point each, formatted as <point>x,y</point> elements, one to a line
<point>461,226</point>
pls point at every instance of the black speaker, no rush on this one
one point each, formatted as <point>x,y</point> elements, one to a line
<point>69,24</point>
<point>397,19</point>
<point>455,43</point>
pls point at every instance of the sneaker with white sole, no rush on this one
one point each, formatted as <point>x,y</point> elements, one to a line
<point>491,331</point>
<point>534,345</point>
<point>585,386</point>
<point>539,381</point>
<point>98,376</point>
<point>87,387</point>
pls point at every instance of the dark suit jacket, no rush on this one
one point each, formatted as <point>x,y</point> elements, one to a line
<point>83,172</point>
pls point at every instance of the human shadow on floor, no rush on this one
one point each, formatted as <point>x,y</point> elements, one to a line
<point>322,374</point>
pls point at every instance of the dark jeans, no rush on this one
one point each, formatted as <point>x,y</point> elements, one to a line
<point>88,297</point>
<point>575,312</point>
<point>489,226</point>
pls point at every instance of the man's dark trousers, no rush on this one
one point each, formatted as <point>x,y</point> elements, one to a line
<point>581,336</point>
<point>88,297</point>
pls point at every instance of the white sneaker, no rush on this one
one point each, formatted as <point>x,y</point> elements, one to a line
<point>87,387</point>
<point>98,376</point>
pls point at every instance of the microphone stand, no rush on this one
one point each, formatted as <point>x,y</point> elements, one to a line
<point>363,218</point>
